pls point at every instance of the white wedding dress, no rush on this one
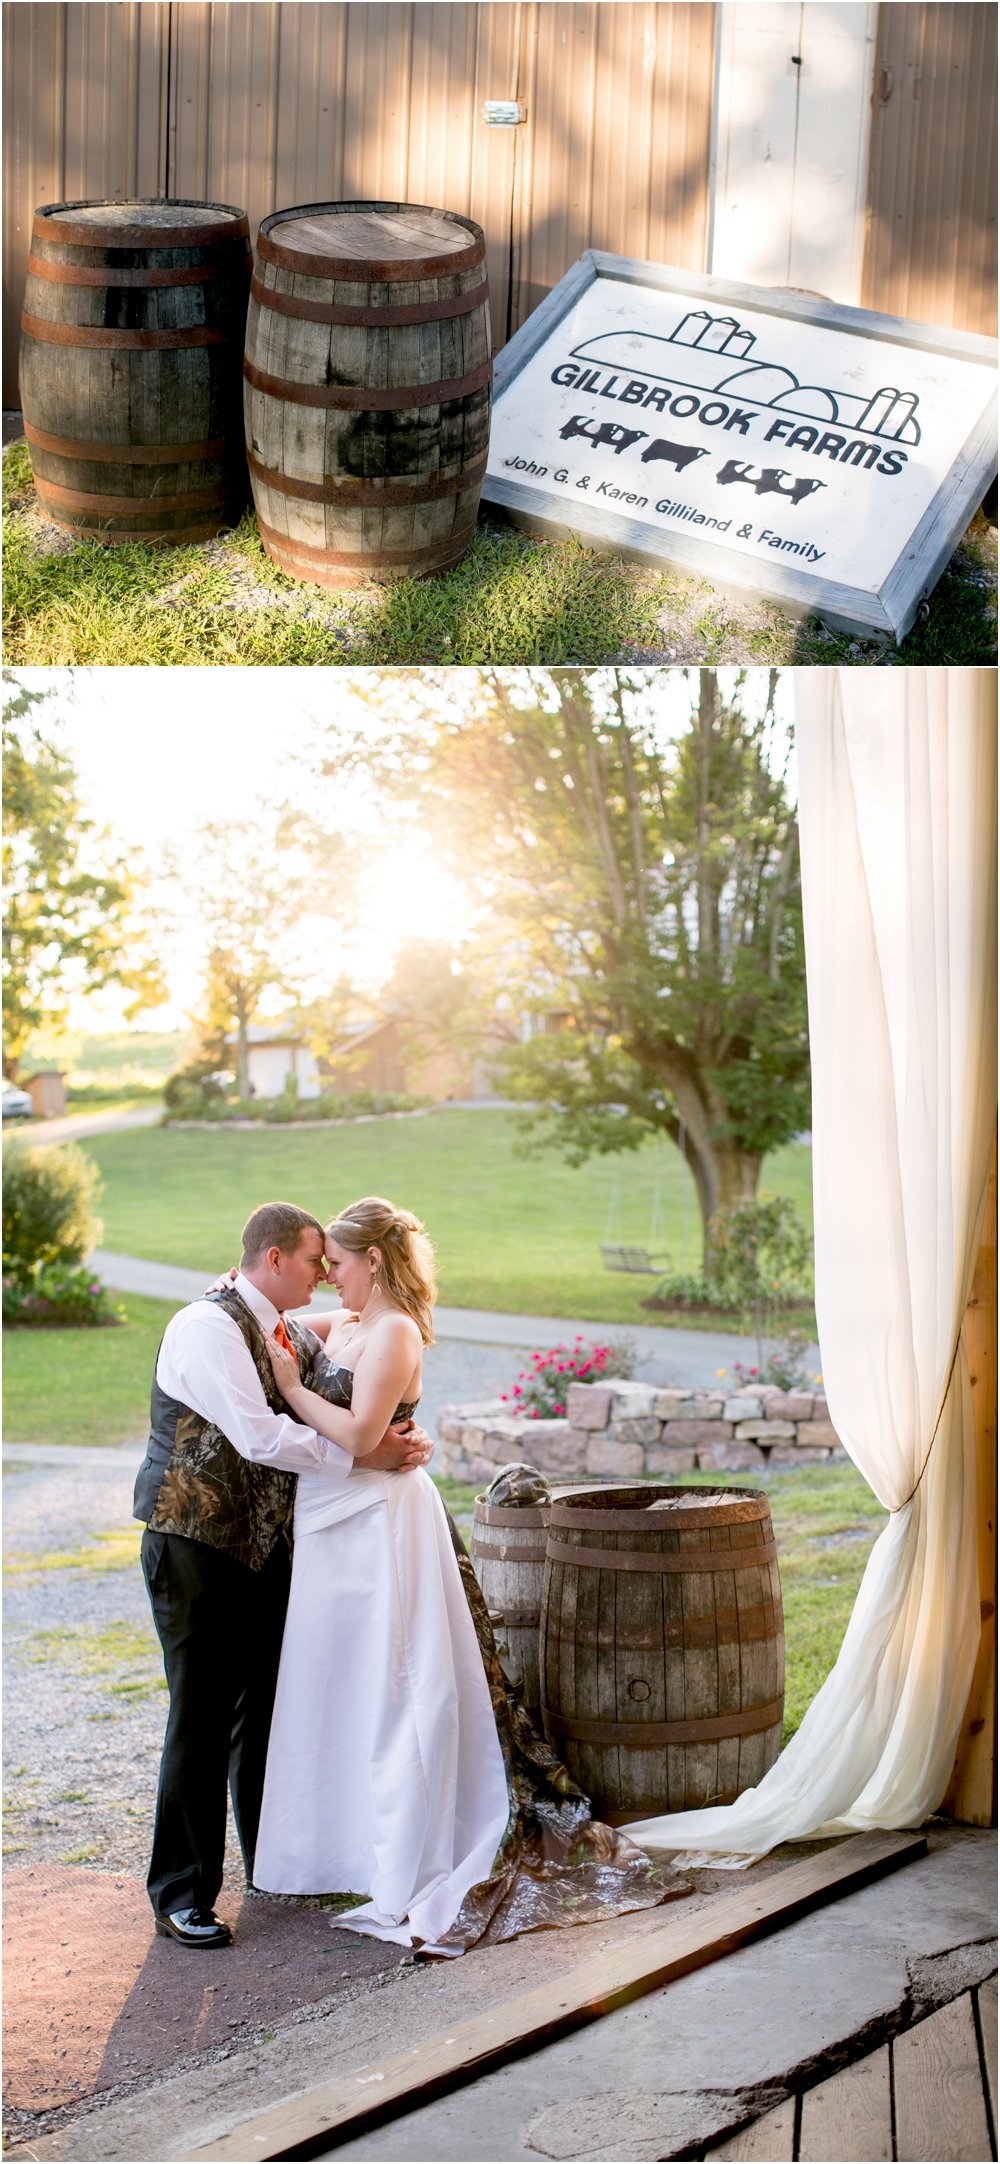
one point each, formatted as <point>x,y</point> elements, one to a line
<point>384,1772</point>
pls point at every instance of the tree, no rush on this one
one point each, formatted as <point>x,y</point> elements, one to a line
<point>71,920</point>
<point>646,891</point>
<point>258,883</point>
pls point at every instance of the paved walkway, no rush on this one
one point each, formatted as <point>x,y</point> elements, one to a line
<point>689,1357</point>
<point>73,1126</point>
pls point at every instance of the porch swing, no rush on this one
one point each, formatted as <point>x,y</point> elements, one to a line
<point>640,1261</point>
<point>620,1255</point>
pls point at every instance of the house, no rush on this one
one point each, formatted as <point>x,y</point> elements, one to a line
<point>274,1055</point>
<point>372,1055</point>
<point>47,1092</point>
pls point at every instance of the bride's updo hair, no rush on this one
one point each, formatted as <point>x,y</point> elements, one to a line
<point>407,1255</point>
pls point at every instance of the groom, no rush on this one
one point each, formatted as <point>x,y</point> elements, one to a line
<point>216,1491</point>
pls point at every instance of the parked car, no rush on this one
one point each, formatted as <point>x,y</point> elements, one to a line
<point>16,1103</point>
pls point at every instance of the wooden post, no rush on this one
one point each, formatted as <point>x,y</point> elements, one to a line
<point>972,1791</point>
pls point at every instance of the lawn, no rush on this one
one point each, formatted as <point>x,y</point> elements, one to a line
<point>84,1386</point>
<point>512,599</point>
<point>521,1235</point>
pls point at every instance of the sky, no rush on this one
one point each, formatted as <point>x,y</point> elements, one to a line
<point>159,752</point>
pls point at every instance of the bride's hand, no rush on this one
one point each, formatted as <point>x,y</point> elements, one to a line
<point>285,1365</point>
<point>224,1283</point>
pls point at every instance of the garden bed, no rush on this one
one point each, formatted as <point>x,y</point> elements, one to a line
<point>512,599</point>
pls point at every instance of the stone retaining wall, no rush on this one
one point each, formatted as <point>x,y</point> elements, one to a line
<point>623,1431</point>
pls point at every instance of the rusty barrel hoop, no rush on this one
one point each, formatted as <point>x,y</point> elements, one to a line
<point>661,1644</point>
<point>370,318</point>
<point>132,328</point>
<point>508,1557</point>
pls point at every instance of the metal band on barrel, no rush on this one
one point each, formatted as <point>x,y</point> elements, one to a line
<point>163,536</point>
<point>654,1735</point>
<point>367,495</point>
<point>361,559</point>
<point>357,398</point>
<point>530,1515</point>
<point>373,319</point>
<point>356,270</point>
<point>504,1553</point>
<point>198,499</point>
<point>127,454</point>
<point>743,1510</point>
<point>65,233</point>
<point>98,339</point>
<point>690,1559</point>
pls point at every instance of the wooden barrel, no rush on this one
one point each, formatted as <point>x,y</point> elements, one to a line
<point>131,346</point>
<point>367,393</point>
<point>661,1644</point>
<point>508,1557</point>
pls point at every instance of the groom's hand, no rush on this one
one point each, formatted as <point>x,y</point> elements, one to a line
<point>401,1449</point>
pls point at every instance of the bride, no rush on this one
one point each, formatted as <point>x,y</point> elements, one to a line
<point>399,1763</point>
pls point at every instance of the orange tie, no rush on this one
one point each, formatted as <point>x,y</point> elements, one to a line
<point>283,1338</point>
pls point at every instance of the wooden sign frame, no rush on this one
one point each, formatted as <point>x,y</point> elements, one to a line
<point>885,614</point>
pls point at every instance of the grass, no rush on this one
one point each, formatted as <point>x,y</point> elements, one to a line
<point>125,1657</point>
<point>520,1235</point>
<point>826,1522</point>
<point>84,1386</point>
<point>513,599</point>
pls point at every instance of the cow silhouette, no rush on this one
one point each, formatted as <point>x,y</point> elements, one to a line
<point>606,432</point>
<point>677,454</point>
<point>767,482</point>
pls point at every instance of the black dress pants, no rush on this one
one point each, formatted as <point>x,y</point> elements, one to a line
<point>220,1626</point>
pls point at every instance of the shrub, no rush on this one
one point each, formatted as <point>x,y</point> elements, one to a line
<point>760,1256</point>
<point>188,1100</point>
<point>783,1369</point>
<point>58,1299</point>
<point>188,1093</point>
<point>121,1093</point>
<point>540,1391</point>
<point>48,1211</point>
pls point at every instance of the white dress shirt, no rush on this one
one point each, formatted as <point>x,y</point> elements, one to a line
<point>205,1362</point>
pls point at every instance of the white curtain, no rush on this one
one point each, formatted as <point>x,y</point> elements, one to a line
<point>897,810</point>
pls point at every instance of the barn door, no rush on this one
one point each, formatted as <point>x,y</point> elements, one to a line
<point>933,227</point>
<point>793,123</point>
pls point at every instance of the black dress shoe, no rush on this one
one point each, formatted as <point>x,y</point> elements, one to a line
<point>194,1927</point>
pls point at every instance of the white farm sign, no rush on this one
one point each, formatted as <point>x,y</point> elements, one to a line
<point>824,457</point>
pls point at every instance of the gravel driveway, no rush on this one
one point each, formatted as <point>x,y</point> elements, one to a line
<point>85,1699</point>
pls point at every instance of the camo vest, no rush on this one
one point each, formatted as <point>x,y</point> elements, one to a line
<point>193,1482</point>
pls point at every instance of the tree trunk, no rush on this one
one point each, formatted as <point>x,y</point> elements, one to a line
<point>722,1174</point>
<point>243,1091</point>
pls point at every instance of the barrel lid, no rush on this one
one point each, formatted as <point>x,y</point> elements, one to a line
<point>370,241</point>
<point>526,1514</point>
<point>630,1509</point>
<point>141,222</point>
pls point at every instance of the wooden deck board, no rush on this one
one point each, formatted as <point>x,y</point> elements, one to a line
<point>987,1996</point>
<point>849,2117</point>
<point>940,2106</point>
<point>770,2140</point>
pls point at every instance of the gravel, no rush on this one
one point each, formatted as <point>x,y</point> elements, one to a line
<point>85,1698</point>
